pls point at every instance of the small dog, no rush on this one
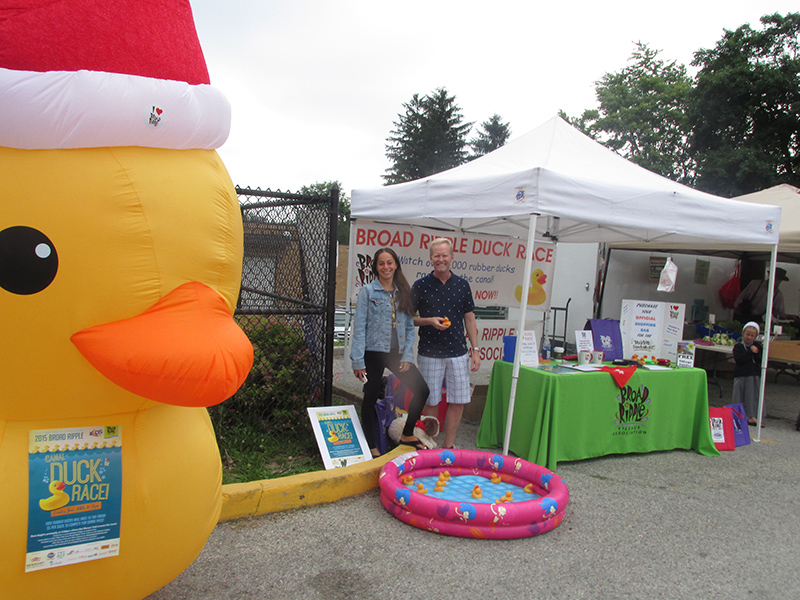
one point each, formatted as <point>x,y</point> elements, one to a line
<point>426,430</point>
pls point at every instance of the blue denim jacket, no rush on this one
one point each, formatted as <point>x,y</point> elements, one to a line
<point>372,327</point>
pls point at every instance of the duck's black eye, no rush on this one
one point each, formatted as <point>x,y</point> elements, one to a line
<point>28,260</point>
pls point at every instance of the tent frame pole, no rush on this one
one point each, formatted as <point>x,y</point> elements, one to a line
<point>767,329</point>
<point>523,307</point>
<point>600,281</point>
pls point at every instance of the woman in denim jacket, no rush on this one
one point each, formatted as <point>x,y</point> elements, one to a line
<point>383,337</point>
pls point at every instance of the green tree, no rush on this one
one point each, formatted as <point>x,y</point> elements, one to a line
<point>324,189</point>
<point>745,108</point>
<point>584,122</point>
<point>429,137</point>
<point>493,134</point>
<point>642,114</point>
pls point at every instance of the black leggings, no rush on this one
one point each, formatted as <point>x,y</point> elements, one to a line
<point>375,363</point>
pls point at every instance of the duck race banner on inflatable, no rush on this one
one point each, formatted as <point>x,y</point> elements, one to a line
<point>81,524</point>
<point>120,267</point>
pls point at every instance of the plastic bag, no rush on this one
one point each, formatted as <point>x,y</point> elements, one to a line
<point>669,274</point>
<point>731,289</point>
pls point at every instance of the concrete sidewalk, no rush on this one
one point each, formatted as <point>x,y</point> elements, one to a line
<point>673,525</point>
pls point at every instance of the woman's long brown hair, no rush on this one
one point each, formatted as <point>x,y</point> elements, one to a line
<point>400,281</point>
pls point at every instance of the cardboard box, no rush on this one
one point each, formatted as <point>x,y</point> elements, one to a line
<point>474,410</point>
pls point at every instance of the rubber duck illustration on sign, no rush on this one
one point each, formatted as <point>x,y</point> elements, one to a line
<point>58,499</point>
<point>120,266</point>
<point>536,292</point>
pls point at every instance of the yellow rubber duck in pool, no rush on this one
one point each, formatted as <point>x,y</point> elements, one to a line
<point>120,266</point>
<point>536,293</point>
<point>58,499</point>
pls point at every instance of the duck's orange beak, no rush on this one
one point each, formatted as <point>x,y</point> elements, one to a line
<point>185,350</point>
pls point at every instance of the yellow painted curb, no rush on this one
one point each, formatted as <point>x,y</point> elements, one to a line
<point>274,495</point>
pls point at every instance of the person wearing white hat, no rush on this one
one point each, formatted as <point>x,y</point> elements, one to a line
<point>747,373</point>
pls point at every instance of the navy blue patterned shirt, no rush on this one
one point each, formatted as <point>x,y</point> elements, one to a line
<point>453,299</point>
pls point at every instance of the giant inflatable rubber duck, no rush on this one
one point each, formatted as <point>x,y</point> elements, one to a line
<point>120,266</point>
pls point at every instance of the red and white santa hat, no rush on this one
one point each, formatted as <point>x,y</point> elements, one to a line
<point>91,73</point>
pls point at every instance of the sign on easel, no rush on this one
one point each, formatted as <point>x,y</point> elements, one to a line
<point>584,340</point>
<point>686,354</point>
<point>651,328</point>
<point>529,350</point>
<point>339,435</point>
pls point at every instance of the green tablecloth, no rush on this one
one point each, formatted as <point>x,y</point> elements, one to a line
<point>572,416</point>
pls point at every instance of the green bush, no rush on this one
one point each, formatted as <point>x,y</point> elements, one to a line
<point>263,431</point>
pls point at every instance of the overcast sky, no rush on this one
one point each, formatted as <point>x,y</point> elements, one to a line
<point>315,85</point>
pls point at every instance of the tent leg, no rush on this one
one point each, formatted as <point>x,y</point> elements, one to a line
<point>523,307</point>
<point>767,330</point>
<point>602,275</point>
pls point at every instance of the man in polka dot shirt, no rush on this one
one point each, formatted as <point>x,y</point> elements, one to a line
<point>445,309</point>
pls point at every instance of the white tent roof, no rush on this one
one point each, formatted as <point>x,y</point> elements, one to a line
<point>785,196</point>
<point>556,171</point>
<point>788,198</point>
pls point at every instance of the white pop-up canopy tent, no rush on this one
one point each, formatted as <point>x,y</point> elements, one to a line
<point>584,192</point>
<point>787,197</point>
<point>784,196</point>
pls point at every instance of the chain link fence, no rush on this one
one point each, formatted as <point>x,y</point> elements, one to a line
<point>286,308</point>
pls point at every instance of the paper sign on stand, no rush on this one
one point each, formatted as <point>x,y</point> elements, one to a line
<point>584,340</point>
<point>339,435</point>
<point>529,352</point>
<point>651,328</point>
<point>686,354</point>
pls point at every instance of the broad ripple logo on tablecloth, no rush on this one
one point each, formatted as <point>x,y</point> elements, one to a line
<point>633,410</point>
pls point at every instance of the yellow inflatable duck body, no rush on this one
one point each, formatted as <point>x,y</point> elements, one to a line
<point>120,266</point>
<point>536,292</point>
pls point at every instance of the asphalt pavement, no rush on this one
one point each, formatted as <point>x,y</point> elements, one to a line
<point>668,525</point>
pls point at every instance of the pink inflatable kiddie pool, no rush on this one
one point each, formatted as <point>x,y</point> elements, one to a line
<point>470,493</point>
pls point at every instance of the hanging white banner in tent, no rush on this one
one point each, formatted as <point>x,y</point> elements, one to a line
<point>492,264</point>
